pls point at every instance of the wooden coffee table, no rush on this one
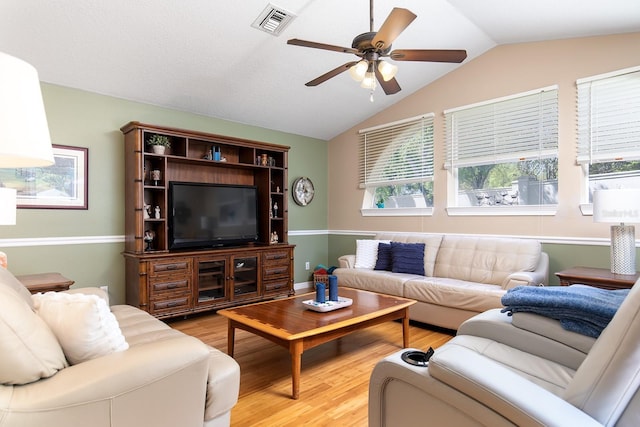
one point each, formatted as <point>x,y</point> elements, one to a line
<point>288,323</point>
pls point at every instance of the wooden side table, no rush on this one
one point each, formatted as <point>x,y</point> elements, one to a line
<point>45,282</point>
<point>598,277</point>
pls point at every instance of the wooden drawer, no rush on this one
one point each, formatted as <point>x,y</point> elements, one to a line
<point>160,286</point>
<point>276,286</point>
<point>170,266</point>
<point>275,271</point>
<point>276,257</point>
<point>173,305</point>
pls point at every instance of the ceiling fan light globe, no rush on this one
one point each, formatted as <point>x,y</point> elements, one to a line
<point>369,81</point>
<point>387,70</point>
<point>358,71</point>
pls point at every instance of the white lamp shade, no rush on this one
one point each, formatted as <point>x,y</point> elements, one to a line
<point>616,205</point>
<point>357,71</point>
<point>369,81</point>
<point>7,206</point>
<point>24,132</point>
<point>387,70</point>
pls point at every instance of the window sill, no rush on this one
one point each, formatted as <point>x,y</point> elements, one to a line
<point>533,210</point>
<point>397,212</point>
<point>586,209</point>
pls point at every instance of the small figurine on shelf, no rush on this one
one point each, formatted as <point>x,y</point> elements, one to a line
<point>274,238</point>
<point>277,188</point>
<point>147,211</point>
<point>155,176</point>
<point>149,235</point>
<point>157,212</point>
<point>275,210</point>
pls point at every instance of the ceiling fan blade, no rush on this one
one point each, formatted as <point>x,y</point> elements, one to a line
<point>305,43</point>
<point>396,22</point>
<point>429,55</point>
<point>326,76</point>
<point>389,87</point>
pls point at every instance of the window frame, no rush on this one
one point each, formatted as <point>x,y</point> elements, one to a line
<point>588,149</point>
<point>380,143</point>
<point>453,162</point>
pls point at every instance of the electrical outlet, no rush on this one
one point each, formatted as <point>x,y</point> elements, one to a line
<point>307,266</point>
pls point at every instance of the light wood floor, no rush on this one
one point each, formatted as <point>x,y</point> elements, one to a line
<point>335,375</point>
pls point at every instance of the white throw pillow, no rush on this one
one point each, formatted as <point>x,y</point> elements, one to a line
<point>367,253</point>
<point>28,348</point>
<point>83,324</point>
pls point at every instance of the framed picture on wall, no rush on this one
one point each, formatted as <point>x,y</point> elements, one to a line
<point>63,185</point>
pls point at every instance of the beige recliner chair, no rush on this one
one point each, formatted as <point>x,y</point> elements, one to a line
<point>510,376</point>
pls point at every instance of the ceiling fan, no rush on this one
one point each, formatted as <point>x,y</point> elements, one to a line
<point>371,47</point>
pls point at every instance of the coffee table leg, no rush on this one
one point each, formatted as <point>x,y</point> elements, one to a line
<point>231,335</point>
<point>405,328</point>
<point>295,349</point>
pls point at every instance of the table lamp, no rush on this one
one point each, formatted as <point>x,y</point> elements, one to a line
<point>24,132</point>
<point>619,206</point>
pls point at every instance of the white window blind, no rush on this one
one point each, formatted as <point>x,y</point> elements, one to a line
<point>397,153</point>
<point>514,128</point>
<point>609,117</point>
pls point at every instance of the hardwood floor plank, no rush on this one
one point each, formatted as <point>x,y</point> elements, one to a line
<point>334,384</point>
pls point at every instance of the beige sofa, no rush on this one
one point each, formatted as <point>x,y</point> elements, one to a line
<point>517,371</point>
<point>148,375</point>
<point>463,275</point>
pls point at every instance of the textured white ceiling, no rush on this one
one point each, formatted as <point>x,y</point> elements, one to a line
<point>203,56</point>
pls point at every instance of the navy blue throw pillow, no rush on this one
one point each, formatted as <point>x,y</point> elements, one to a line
<point>384,261</point>
<point>407,258</point>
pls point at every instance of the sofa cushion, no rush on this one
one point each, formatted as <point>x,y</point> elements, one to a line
<point>30,351</point>
<point>385,259</point>
<point>485,260</point>
<point>83,324</point>
<point>384,282</point>
<point>139,327</point>
<point>549,375</point>
<point>460,294</point>
<point>431,246</point>
<point>367,253</point>
<point>407,258</point>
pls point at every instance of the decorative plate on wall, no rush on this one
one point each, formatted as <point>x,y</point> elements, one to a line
<point>303,191</point>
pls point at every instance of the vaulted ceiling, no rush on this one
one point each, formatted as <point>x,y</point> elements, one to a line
<point>204,56</point>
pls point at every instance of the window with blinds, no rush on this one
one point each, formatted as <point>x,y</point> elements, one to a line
<point>504,151</point>
<point>396,163</point>
<point>609,129</point>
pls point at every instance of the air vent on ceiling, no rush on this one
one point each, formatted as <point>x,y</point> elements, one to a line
<point>273,20</point>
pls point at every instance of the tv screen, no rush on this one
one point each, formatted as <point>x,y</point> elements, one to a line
<point>210,215</point>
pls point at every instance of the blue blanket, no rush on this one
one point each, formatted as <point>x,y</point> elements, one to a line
<point>579,308</point>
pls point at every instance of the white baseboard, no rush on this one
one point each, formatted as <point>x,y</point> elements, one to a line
<point>303,287</point>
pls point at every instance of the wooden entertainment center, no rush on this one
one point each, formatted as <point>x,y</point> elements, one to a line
<point>168,283</point>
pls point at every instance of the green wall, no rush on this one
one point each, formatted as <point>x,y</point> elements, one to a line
<point>86,245</point>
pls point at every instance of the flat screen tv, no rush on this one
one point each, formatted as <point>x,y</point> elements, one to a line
<point>205,215</point>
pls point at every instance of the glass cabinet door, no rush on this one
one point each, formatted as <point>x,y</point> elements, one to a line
<point>212,276</point>
<point>245,276</point>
